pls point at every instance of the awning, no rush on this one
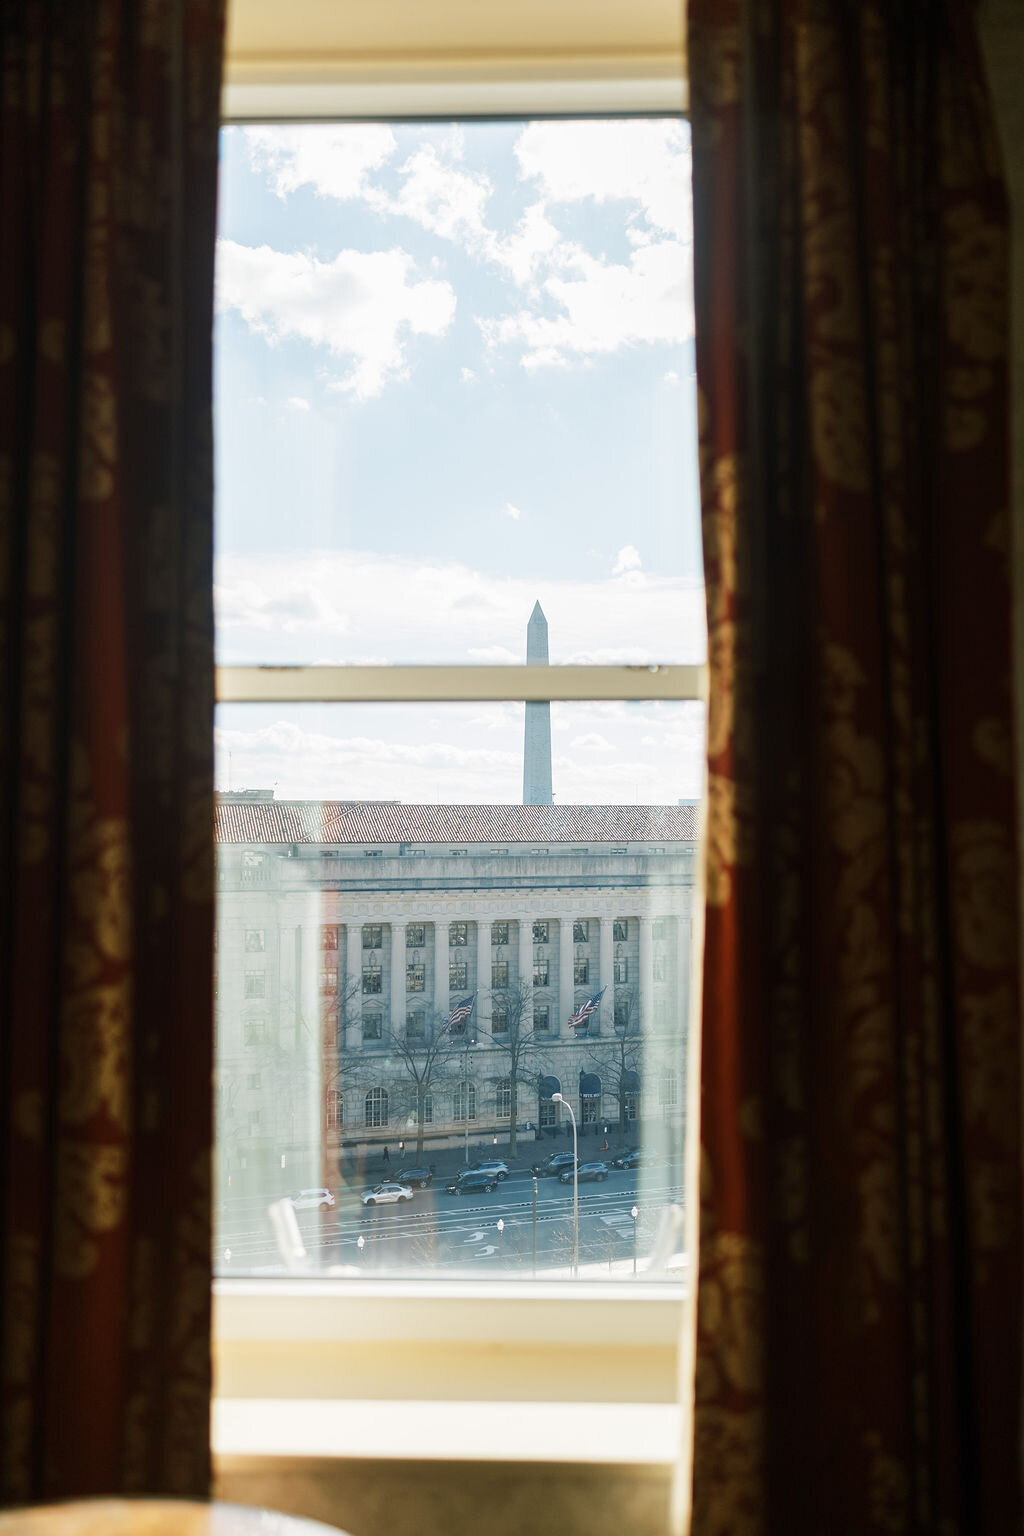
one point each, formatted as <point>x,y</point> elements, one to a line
<point>631,1082</point>
<point>590,1085</point>
<point>547,1087</point>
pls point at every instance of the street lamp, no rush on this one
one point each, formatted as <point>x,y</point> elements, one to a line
<point>470,1040</point>
<point>634,1213</point>
<point>557,1098</point>
<point>501,1239</point>
<point>360,1244</point>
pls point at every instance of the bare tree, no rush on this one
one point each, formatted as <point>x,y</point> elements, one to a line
<point>618,1058</point>
<point>424,1061</point>
<point>518,1040</point>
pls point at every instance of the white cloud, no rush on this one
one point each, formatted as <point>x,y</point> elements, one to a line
<point>494,655</point>
<point>297,403</point>
<point>627,559</point>
<point>335,160</point>
<point>467,375</point>
<point>591,742</point>
<point>439,196</point>
<point>671,378</point>
<point>513,512</point>
<point>362,306</point>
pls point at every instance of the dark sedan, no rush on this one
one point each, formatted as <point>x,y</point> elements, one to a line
<point>637,1158</point>
<point>556,1164</point>
<point>586,1172</point>
<point>418,1178</point>
<point>472,1183</point>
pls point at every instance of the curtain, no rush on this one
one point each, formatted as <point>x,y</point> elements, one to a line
<point>108,142</point>
<point>858,1311</point>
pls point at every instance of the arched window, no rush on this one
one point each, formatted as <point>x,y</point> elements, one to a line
<point>335,1110</point>
<point>503,1099</point>
<point>377,1106</point>
<point>667,1089</point>
<point>465,1094</point>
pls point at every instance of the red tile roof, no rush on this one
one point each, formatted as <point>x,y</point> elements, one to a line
<point>385,821</point>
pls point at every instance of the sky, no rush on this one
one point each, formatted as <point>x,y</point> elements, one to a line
<point>454,374</point>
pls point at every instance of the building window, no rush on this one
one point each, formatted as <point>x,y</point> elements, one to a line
<point>661,1015</point>
<point>540,932</point>
<point>254,941</point>
<point>255,983</point>
<point>499,933</point>
<point>631,1104</point>
<point>328,935</point>
<point>252,1080</point>
<point>335,1111</point>
<point>620,930</point>
<point>373,936</point>
<point>581,931</point>
<point>458,933</point>
<point>414,1025</point>
<point>415,978</point>
<point>415,936</point>
<point>620,969</point>
<point>457,972</point>
<point>503,1100</point>
<point>622,1012</point>
<point>590,1109</point>
<point>376,1107</point>
<point>499,973</point>
<point>372,1026</point>
<point>581,972</point>
<point>499,1018</point>
<point>254,1121</point>
<point>541,1021</point>
<point>540,973</point>
<point>254,1031</point>
<point>659,928</point>
<point>329,981</point>
<point>546,1115</point>
<point>371,978</point>
<point>373,853</point>
<point>457,853</point>
<point>428,1109</point>
<point>659,967</point>
<point>667,1088</point>
<point>465,1093</point>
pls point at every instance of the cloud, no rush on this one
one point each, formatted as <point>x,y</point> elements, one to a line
<point>297,403</point>
<point>513,512</point>
<point>671,378</point>
<point>494,655</point>
<point>335,160</point>
<point>467,375</point>
<point>591,742</point>
<point>362,305</point>
<point>627,559</point>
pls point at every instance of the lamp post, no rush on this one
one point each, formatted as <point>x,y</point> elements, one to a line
<point>535,1226</point>
<point>360,1244</point>
<point>557,1098</point>
<point>470,1040</point>
<point>501,1239</point>
<point>634,1213</point>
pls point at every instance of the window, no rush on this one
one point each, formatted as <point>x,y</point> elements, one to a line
<point>590,1110</point>
<point>623,1012</point>
<point>328,935</point>
<point>620,930</point>
<point>503,1100</point>
<point>254,1031</point>
<point>254,941</point>
<point>667,1089</point>
<point>457,972</point>
<point>499,933</point>
<point>373,936</point>
<point>373,853</point>
<point>428,1109</point>
<point>659,929</point>
<point>499,973</point>
<point>255,983</point>
<point>329,981</point>
<point>581,972</point>
<point>581,931</point>
<point>540,931</point>
<point>499,1017</point>
<point>415,1027</point>
<point>252,1080</point>
<point>415,978</point>
<point>372,978</point>
<point>255,1116</point>
<point>659,966</point>
<point>547,1115</point>
<point>372,1026</point>
<point>457,933</point>
<point>631,1104</point>
<point>376,1107</point>
<point>415,935</point>
<point>540,973</point>
<point>335,1111</point>
<point>541,1020</point>
<point>620,969</point>
<point>465,1094</point>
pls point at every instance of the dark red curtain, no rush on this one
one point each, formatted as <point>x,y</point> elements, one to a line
<point>108,144</point>
<point>858,1317</point>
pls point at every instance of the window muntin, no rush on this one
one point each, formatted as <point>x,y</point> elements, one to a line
<point>499,931</point>
<point>458,933</point>
<point>373,979</point>
<point>415,935</point>
<point>375,1107</point>
<point>541,969</point>
<point>415,978</point>
<point>458,972</point>
<point>541,929</point>
<point>463,1099</point>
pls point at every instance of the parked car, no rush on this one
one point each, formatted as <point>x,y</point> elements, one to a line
<point>557,1163</point>
<point>637,1157</point>
<point>416,1178</point>
<point>312,1199</point>
<point>596,1172</point>
<point>492,1165</point>
<point>472,1180</point>
<point>386,1194</point>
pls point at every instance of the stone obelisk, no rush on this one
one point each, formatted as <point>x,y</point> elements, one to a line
<point>537,743</point>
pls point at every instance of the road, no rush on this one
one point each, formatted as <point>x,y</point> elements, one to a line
<point>447,1234</point>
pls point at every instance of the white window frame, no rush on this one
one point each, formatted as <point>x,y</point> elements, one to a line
<point>633,1329</point>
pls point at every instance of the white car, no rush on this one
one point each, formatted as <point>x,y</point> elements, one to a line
<point>493,1166</point>
<point>312,1199</point>
<point>386,1194</point>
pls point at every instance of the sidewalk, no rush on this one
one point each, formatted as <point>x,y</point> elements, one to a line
<point>366,1163</point>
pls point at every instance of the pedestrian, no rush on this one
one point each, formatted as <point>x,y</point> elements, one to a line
<point>604,1145</point>
<point>387,1155</point>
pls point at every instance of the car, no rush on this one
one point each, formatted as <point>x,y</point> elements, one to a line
<point>472,1180</point>
<point>416,1178</point>
<point>494,1166</point>
<point>557,1163</point>
<point>585,1172</point>
<point>312,1199</point>
<point>386,1194</point>
<point>637,1157</point>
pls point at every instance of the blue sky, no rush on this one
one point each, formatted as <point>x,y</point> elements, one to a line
<point>454,374</point>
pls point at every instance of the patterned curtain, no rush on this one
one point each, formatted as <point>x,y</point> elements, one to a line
<point>108,143</point>
<point>858,1317</point>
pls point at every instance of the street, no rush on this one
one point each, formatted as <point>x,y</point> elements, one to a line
<point>442,1233</point>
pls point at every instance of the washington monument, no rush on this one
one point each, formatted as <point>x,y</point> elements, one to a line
<point>537,743</point>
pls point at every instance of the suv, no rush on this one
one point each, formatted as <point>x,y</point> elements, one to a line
<point>418,1178</point>
<point>312,1199</point>
<point>493,1166</point>
<point>558,1162</point>
<point>637,1158</point>
<point>472,1179</point>
<point>596,1171</point>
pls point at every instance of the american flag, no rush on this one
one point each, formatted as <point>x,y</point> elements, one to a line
<point>459,1014</point>
<point>584,1011</point>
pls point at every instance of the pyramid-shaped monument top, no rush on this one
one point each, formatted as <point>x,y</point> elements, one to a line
<point>537,636</point>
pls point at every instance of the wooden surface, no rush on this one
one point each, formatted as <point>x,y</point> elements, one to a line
<point>154,1517</point>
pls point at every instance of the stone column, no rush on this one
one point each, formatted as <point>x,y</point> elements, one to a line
<point>483,976</point>
<point>353,983</point>
<point>565,984</point>
<point>524,967</point>
<point>606,975</point>
<point>646,991</point>
<point>684,939</point>
<point>440,970</point>
<point>396,991</point>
